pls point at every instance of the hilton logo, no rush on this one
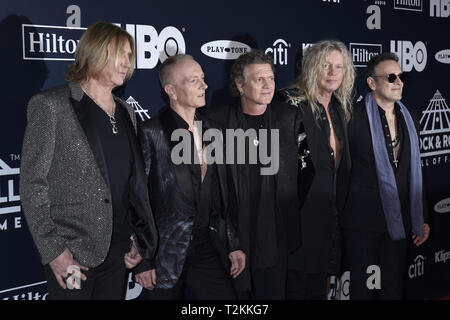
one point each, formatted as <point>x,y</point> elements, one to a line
<point>410,5</point>
<point>363,52</point>
<point>50,42</point>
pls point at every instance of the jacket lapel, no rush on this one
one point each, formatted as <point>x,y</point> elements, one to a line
<point>182,171</point>
<point>86,124</point>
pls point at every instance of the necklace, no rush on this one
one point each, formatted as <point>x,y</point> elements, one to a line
<point>395,143</point>
<point>112,120</point>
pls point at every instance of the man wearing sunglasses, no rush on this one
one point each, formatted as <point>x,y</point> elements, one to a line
<point>385,205</point>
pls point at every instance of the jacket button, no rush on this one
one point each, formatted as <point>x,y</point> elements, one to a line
<point>106,200</point>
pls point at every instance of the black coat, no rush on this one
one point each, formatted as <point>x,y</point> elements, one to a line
<point>320,251</point>
<point>363,210</point>
<point>174,208</point>
<point>288,120</point>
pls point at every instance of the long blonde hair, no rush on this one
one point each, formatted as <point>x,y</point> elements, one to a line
<point>313,59</point>
<point>93,51</point>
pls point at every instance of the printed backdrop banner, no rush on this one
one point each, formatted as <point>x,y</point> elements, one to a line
<point>40,37</point>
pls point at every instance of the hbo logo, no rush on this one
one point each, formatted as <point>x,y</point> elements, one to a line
<point>410,55</point>
<point>151,47</point>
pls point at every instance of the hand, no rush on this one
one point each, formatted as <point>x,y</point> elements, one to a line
<point>147,279</point>
<point>60,267</point>
<point>132,258</point>
<point>237,262</point>
<point>425,233</point>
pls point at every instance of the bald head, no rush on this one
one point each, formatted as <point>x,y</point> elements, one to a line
<point>166,70</point>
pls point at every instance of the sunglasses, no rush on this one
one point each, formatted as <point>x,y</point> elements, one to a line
<point>392,77</point>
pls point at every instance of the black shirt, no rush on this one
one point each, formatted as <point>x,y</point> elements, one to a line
<point>319,212</point>
<point>401,165</point>
<point>118,159</point>
<point>204,192</point>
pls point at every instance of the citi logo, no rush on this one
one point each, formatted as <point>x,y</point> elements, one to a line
<point>411,5</point>
<point>50,42</point>
<point>442,206</point>
<point>440,8</point>
<point>363,52</point>
<point>443,56</point>
<point>224,49</point>
<point>441,256</point>
<point>279,51</point>
<point>410,55</point>
<point>417,269</point>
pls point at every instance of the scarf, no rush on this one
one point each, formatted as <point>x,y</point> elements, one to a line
<point>386,180</point>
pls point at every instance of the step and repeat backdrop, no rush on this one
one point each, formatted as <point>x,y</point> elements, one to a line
<point>39,39</point>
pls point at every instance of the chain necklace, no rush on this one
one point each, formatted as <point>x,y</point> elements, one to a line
<point>112,120</point>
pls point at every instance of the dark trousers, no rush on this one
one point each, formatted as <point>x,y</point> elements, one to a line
<point>269,283</point>
<point>306,286</point>
<point>365,249</point>
<point>203,277</point>
<point>105,282</point>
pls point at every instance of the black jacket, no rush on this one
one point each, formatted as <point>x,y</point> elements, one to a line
<point>363,209</point>
<point>287,120</point>
<point>174,208</point>
<point>320,251</point>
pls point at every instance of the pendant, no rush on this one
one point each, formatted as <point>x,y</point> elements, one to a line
<point>113,123</point>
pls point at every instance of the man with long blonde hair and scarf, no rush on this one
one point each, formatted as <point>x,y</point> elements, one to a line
<point>323,93</point>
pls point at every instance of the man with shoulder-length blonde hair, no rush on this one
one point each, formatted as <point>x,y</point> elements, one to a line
<point>323,92</point>
<point>82,174</point>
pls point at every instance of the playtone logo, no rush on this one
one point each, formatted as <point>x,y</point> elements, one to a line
<point>50,42</point>
<point>443,56</point>
<point>410,5</point>
<point>224,49</point>
<point>442,206</point>
<point>363,52</point>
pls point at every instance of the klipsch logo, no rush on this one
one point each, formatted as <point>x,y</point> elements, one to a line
<point>410,5</point>
<point>435,132</point>
<point>441,256</point>
<point>363,52</point>
<point>224,49</point>
<point>50,42</point>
